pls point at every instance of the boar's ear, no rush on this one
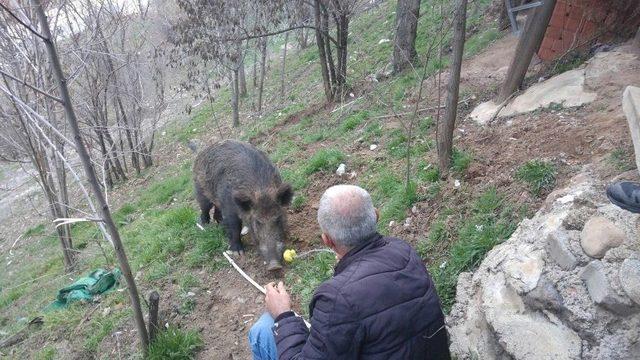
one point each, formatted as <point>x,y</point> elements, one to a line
<point>285,194</point>
<point>243,200</point>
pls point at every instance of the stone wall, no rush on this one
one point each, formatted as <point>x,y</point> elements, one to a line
<point>566,285</point>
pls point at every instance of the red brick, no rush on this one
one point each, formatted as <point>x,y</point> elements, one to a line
<point>547,42</point>
<point>546,54</point>
<point>557,19</point>
<point>557,46</point>
<point>588,28</point>
<point>567,39</point>
<point>553,32</point>
<point>572,24</point>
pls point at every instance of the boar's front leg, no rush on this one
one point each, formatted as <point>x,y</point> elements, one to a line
<point>233,226</point>
<point>205,206</point>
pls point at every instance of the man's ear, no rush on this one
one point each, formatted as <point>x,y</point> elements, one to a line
<point>284,194</point>
<point>377,214</point>
<point>243,200</point>
<point>328,241</point>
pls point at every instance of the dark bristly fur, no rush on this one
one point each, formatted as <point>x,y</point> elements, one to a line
<point>243,187</point>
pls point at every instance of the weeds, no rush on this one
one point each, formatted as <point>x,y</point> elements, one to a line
<point>37,230</point>
<point>324,159</point>
<point>460,160</point>
<point>538,174</point>
<point>622,160</point>
<point>175,344</point>
<point>305,276</point>
<point>353,120</point>
<point>298,202</point>
<point>490,222</point>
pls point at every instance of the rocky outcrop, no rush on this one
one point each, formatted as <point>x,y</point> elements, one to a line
<point>539,295</point>
<point>631,107</point>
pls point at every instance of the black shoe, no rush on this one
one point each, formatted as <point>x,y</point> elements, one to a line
<point>625,195</point>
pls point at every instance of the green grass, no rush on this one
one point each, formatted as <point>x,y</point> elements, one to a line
<point>354,120</point>
<point>489,222</point>
<point>103,326</point>
<point>323,160</point>
<point>478,42</point>
<point>306,274</point>
<point>390,195</point>
<point>37,230</point>
<point>622,159</point>
<point>7,297</point>
<point>46,353</point>
<point>298,202</point>
<point>539,175</point>
<point>460,160</point>
<point>175,344</point>
<point>164,191</point>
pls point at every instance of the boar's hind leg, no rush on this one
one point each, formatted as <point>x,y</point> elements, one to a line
<point>233,225</point>
<point>205,207</point>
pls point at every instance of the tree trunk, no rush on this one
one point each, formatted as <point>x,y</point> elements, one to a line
<point>263,63</point>
<point>329,54</point>
<point>343,34</point>
<point>636,40</point>
<point>529,43</point>
<point>404,49</point>
<point>446,126</point>
<point>303,39</point>
<point>284,62</point>
<point>242,78</point>
<point>235,90</point>
<point>91,175</point>
<point>320,40</point>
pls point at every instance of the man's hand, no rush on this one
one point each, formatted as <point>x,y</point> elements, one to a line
<point>277,299</point>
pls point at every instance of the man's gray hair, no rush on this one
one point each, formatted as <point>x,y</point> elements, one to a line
<point>346,214</point>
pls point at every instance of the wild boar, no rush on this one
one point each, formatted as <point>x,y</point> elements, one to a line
<point>243,187</point>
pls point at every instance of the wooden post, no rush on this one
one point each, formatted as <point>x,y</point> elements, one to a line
<point>91,175</point>
<point>529,43</point>
<point>154,299</point>
<point>445,127</point>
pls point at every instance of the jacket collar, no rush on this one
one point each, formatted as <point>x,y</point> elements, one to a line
<point>374,241</point>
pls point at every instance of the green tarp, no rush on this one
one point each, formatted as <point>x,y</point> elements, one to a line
<point>86,288</point>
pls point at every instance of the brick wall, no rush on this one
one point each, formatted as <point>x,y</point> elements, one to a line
<point>579,23</point>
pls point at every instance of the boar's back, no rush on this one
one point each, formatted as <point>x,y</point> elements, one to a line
<point>233,165</point>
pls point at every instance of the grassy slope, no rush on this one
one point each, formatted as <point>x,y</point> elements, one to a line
<point>159,219</point>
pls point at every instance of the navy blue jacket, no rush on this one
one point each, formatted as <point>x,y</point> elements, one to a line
<point>380,304</point>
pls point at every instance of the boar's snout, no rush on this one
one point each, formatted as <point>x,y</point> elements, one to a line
<point>274,265</point>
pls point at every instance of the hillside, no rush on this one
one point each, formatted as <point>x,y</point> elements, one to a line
<point>501,174</point>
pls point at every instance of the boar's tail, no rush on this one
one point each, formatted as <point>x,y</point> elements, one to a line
<point>193,145</point>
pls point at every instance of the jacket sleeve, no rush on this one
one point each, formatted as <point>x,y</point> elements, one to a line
<point>335,332</point>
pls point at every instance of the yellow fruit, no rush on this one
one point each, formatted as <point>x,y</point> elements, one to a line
<point>289,255</point>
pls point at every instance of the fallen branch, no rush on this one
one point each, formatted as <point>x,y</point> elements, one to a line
<point>249,279</point>
<point>501,106</point>
<point>419,110</point>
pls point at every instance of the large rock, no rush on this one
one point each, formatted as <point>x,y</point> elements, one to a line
<point>566,89</point>
<point>629,276</point>
<point>558,248</point>
<point>594,275</point>
<point>538,296</point>
<point>631,107</point>
<point>599,235</point>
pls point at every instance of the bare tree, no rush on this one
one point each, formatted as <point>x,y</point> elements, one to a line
<point>45,137</point>
<point>529,43</point>
<point>404,49</point>
<point>69,110</point>
<point>444,136</point>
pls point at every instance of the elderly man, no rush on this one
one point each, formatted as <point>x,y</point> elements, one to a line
<point>380,304</point>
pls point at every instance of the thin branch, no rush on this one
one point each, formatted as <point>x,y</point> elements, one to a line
<point>34,31</point>
<point>40,91</point>
<point>249,37</point>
